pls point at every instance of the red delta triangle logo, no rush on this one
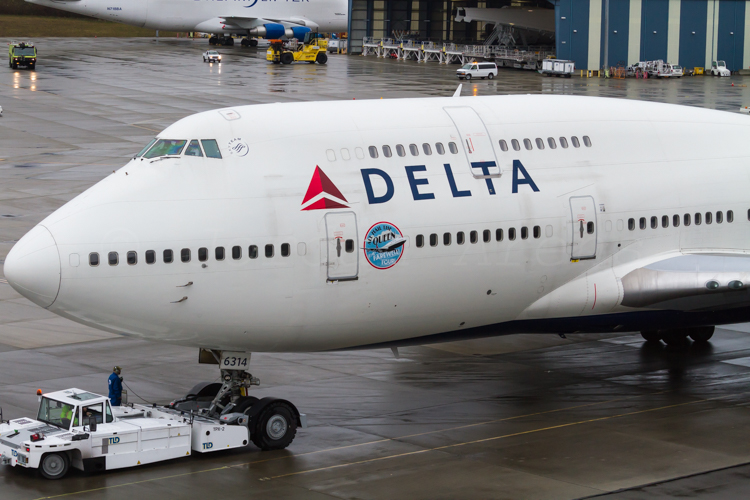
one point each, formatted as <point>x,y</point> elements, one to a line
<point>321,193</point>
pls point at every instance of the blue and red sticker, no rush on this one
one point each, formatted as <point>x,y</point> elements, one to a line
<point>384,245</point>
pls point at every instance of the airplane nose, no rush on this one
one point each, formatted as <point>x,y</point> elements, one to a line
<point>32,267</point>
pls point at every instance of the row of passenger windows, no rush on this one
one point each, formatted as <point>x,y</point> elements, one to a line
<point>413,149</point>
<point>540,143</point>
<point>131,257</point>
<point>687,219</point>
<point>460,237</point>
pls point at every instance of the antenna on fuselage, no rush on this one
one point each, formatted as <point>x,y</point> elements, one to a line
<point>457,93</point>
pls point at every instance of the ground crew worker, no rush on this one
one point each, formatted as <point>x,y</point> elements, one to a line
<point>67,414</point>
<point>115,386</point>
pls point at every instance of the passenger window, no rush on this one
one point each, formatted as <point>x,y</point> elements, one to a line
<point>236,252</point>
<point>575,142</point>
<point>527,144</point>
<point>709,218</point>
<point>643,223</point>
<point>359,153</point>
<point>211,148</point>
<point>439,148</point>
<point>676,220</point>
<point>345,154</point>
<point>730,216</point>
<point>453,148</point>
<point>498,235</point>
<point>150,256</point>
<point>686,219</point>
<point>286,251</point>
<point>348,246</point>
<point>203,254</point>
<point>586,141</point>
<point>373,151</point>
<point>539,143</point>
<point>620,225</point>
<point>252,251</point>
<point>219,253</point>
<point>94,259</point>
<point>433,240</point>
<point>486,235</point>
<point>167,256</point>
<point>511,233</point>
<point>664,221</point>
<point>551,142</point>
<point>698,219</point>
<point>524,232</point>
<point>387,151</point>
<point>420,241</point>
<point>269,251</point>
<point>185,255</point>
<point>564,142</point>
<point>460,238</point>
<point>193,149</point>
<point>719,217</point>
<point>413,149</point>
<point>503,145</point>
<point>427,149</point>
<point>537,232</point>
<point>400,150</point>
<point>515,144</point>
<point>132,258</point>
<point>631,224</point>
<point>446,239</point>
<point>590,227</point>
<point>473,237</point>
<point>654,222</point>
<point>548,231</point>
<point>608,226</point>
<point>331,154</point>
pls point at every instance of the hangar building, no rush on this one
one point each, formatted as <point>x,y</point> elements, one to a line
<point>594,33</point>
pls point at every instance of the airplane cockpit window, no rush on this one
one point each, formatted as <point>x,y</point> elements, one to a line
<point>193,149</point>
<point>146,148</point>
<point>211,148</point>
<point>165,147</point>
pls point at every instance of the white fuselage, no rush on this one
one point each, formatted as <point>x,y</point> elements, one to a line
<point>646,160</point>
<point>329,16</point>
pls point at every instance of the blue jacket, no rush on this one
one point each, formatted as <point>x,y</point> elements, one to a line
<point>115,387</point>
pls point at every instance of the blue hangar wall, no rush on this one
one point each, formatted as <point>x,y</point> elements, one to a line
<point>687,32</point>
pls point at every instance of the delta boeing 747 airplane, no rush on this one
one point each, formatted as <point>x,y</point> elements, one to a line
<point>465,217</point>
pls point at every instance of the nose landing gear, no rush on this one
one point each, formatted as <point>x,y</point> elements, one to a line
<point>272,422</point>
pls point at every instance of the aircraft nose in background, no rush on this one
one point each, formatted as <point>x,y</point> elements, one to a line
<point>32,267</point>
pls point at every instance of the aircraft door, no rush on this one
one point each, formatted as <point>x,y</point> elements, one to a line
<point>476,142</point>
<point>341,245</point>
<point>583,219</point>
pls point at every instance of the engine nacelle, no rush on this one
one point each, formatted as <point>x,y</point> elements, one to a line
<point>271,31</point>
<point>298,32</point>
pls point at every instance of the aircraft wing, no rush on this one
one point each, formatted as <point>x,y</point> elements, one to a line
<point>690,282</point>
<point>253,22</point>
<point>530,19</point>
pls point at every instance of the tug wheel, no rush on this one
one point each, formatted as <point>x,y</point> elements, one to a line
<point>54,465</point>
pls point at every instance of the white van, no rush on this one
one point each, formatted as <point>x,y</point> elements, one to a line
<point>477,70</point>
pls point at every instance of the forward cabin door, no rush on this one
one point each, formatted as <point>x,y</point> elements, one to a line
<point>583,219</point>
<point>341,246</point>
<point>476,142</point>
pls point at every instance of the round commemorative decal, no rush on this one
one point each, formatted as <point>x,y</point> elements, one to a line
<point>384,245</point>
<point>238,147</point>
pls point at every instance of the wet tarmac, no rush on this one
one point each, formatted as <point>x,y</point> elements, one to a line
<point>524,416</point>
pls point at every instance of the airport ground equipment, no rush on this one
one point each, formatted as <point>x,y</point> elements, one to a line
<point>476,69</point>
<point>281,52</point>
<point>211,56</point>
<point>719,68</point>
<point>22,54</point>
<point>77,428</point>
<point>558,67</point>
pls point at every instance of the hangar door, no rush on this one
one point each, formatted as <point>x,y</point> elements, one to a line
<point>341,246</point>
<point>475,141</point>
<point>583,219</point>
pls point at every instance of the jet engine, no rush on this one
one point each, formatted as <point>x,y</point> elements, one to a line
<point>274,31</point>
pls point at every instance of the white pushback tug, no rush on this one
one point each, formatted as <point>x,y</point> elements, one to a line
<point>81,429</point>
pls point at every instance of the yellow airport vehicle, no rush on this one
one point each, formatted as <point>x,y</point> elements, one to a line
<point>21,54</point>
<point>280,52</point>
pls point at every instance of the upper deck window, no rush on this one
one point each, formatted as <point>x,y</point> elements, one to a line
<point>166,147</point>
<point>211,148</point>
